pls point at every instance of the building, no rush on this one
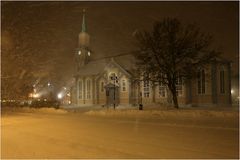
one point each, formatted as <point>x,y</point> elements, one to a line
<point>109,82</point>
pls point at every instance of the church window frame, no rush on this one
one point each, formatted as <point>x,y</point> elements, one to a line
<point>179,85</point>
<point>222,80</point>
<point>146,89</point>
<point>161,90</point>
<point>80,89</point>
<point>88,88</point>
<point>124,85</point>
<point>201,81</point>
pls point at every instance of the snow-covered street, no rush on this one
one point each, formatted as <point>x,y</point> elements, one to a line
<point>81,135</point>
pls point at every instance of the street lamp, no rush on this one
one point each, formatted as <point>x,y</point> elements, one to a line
<point>115,79</point>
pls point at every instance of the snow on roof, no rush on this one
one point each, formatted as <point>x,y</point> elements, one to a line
<point>127,62</point>
<point>93,67</point>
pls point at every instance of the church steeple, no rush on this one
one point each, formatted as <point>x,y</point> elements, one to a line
<point>83,22</point>
<point>83,51</point>
<point>83,35</point>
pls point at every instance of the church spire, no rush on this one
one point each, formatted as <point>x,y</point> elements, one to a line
<point>83,22</point>
<point>83,51</point>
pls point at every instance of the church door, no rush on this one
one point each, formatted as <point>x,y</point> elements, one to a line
<point>112,94</point>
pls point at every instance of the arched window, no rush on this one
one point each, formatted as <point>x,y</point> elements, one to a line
<point>88,89</point>
<point>124,85</point>
<point>179,85</point>
<point>162,90</point>
<point>201,81</point>
<point>80,89</point>
<point>146,88</point>
<point>222,80</point>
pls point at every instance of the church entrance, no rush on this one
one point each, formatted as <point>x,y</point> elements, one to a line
<point>112,95</point>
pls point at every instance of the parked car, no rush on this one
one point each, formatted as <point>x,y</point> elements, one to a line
<point>45,103</point>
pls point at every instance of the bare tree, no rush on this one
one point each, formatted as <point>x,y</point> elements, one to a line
<point>172,52</point>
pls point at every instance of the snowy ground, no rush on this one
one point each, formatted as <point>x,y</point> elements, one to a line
<point>123,133</point>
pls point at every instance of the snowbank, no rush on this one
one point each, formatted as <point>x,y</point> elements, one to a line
<point>9,110</point>
<point>181,113</point>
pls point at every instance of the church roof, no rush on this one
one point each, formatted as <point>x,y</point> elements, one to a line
<point>96,67</point>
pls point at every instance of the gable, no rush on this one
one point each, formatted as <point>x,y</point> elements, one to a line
<point>113,67</point>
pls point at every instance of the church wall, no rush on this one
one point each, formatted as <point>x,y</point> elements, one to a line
<point>182,99</point>
<point>124,93</point>
<point>101,92</point>
<point>84,96</point>
<point>223,98</point>
<point>88,94</point>
<point>144,98</point>
<point>73,95</point>
<point>205,98</point>
<point>212,83</point>
<point>158,98</point>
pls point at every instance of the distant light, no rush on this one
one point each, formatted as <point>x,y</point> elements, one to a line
<point>48,84</point>
<point>89,53</point>
<point>35,95</point>
<point>60,96</point>
<point>64,88</point>
<point>79,52</point>
<point>69,102</point>
<point>45,99</point>
<point>68,94</point>
<point>232,91</point>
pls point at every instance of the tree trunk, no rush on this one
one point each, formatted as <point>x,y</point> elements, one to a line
<point>172,88</point>
<point>175,100</point>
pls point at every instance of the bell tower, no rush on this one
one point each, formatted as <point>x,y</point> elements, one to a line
<point>83,52</point>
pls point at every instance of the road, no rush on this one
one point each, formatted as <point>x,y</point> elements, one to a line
<point>75,135</point>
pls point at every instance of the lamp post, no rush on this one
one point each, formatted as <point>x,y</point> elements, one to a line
<point>114,78</point>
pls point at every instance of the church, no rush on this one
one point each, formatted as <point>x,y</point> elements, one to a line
<point>109,82</point>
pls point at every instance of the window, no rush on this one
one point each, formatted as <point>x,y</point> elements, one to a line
<point>146,88</point>
<point>162,90</point>
<point>201,81</point>
<point>222,82</point>
<point>80,89</point>
<point>102,86</point>
<point>88,89</point>
<point>179,87</point>
<point>123,85</point>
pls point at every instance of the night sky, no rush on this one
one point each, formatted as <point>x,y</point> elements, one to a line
<point>50,29</point>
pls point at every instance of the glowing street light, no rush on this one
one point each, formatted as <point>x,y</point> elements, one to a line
<point>35,95</point>
<point>60,96</point>
<point>79,52</point>
<point>48,84</point>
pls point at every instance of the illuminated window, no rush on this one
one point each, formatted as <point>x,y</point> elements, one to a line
<point>146,89</point>
<point>80,89</point>
<point>201,81</point>
<point>123,85</point>
<point>222,82</point>
<point>88,89</point>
